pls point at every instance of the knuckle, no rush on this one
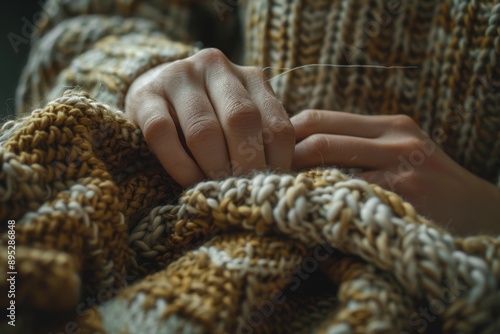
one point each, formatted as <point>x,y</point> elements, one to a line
<point>142,84</point>
<point>403,122</point>
<point>139,93</point>
<point>310,117</point>
<point>176,66</point>
<point>177,70</point>
<point>282,130</point>
<point>241,113</point>
<point>200,129</point>
<point>411,145</point>
<point>154,83</point>
<point>211,56</point>
<point>405,146</point>
<point>319,142</point>
<point>153,127</point>
<point>256,80</point>
<point>198,104</point>
<point>270,104</point>
<point>137,97</point>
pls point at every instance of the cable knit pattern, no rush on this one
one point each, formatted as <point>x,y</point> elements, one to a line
<point>107,242</point>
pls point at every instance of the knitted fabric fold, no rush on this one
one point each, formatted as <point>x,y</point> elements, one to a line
<point>107,242</point>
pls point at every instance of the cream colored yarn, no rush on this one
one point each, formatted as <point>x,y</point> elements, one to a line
<point>107,242</point>
<point>317,252</point>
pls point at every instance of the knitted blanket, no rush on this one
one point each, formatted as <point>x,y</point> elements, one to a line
<point>106,242</point>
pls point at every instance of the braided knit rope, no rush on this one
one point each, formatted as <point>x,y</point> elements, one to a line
<point>93,205</point>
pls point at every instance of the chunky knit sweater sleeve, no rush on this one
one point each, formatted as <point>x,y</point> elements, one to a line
<point>102,46</point>
<point>97,237</point>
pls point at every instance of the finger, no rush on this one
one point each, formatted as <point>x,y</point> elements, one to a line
<point>342,151</point>
<point>199,124</point>
<point>240,119</point>
<point>277,131</point>
<point>313,121</point>
<point>152,116</point>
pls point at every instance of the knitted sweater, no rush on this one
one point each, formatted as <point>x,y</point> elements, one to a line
<point>106,242</point>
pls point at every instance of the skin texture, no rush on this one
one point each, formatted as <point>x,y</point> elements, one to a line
<point>218,118</point>
<point>205,117</point>
<point>393,152</point>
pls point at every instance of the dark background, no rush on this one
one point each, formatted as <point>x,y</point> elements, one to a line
<point>11,15</point>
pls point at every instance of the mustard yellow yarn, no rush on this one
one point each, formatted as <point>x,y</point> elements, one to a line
<point>107,242</point>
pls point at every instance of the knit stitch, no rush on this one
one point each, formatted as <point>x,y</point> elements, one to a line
<point>107,242</point>
<point>87,218</point>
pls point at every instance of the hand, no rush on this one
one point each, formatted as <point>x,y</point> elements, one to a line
<point>396,154</point>
<point>207,117</point>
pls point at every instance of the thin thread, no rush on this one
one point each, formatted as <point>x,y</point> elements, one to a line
<point>322,159</point>
<point>288,70</point>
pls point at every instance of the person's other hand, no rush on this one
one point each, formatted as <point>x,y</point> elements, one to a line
<point>205,117</point>
<point>393,152</point>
